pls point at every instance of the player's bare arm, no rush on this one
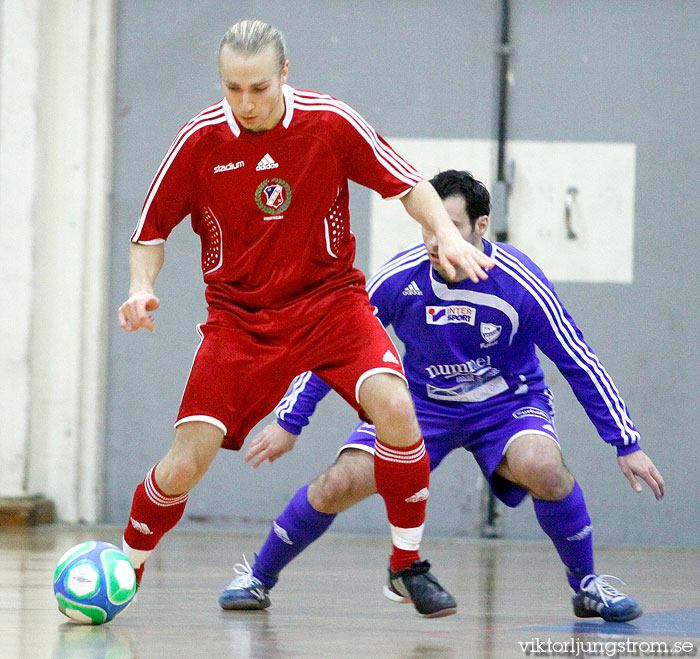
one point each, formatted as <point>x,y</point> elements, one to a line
<point>423,204</point>
<point>145,262</point>
<point>639,465</point>
<point>269,444</point>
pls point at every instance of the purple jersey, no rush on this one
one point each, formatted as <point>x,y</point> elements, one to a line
<point>470,347</point>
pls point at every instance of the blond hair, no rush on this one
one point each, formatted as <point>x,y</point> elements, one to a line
<point>254,36</point>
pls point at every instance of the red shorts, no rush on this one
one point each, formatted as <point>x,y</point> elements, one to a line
<point>239,375</point>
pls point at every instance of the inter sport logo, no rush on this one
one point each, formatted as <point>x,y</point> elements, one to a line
<point>455,313</point>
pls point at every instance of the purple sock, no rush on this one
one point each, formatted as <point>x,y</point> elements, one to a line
<point>292,532</point>
<point>567,523</point>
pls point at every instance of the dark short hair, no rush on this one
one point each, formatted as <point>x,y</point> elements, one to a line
<point>461,183</point>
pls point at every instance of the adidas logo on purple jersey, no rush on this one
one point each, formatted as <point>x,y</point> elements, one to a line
<point>412,289</point>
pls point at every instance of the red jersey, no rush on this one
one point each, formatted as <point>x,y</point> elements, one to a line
<point>271,208</point>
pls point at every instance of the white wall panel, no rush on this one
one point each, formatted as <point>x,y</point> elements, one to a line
<point>19,148</point>
<point>56,90</point>
<point>602,214</point>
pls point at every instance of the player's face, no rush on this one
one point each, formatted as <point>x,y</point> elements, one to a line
<point>253,87</point>
<point>456,208</point>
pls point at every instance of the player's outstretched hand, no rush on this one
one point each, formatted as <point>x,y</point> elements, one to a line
<point>269,444</point>
<point>457,256</point>
<point>133,314</point>
<point>639,465</point>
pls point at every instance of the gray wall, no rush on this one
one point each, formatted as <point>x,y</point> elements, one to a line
<point>582,70</point>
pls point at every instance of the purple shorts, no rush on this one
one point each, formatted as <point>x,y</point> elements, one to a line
<point>486,435</point>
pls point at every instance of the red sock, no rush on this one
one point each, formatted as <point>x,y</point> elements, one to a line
<point>402,474</point>
<point>153,514</point>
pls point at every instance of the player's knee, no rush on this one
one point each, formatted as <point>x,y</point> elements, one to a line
<point>177,475</point>
<point>385,395</point>
<point>329,492</point>
<point>535,462</point>
<point>343,484</point>
<point>189,457</point>
<point>395,412</point>
<point>549,479</point>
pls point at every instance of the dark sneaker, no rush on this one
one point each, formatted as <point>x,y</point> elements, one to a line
<point>245,592</point>
<point>598,599</point>
<point>416,584</point>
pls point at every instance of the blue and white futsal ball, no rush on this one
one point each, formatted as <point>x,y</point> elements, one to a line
<point>94,582</point>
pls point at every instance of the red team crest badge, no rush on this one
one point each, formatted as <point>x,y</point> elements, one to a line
<point>273,196</point>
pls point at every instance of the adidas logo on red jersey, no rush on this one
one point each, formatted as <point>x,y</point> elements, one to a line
<point>266,162</point>
<point>389,357</point>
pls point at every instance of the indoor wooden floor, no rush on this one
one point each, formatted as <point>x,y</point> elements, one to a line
<point>329,604</point>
